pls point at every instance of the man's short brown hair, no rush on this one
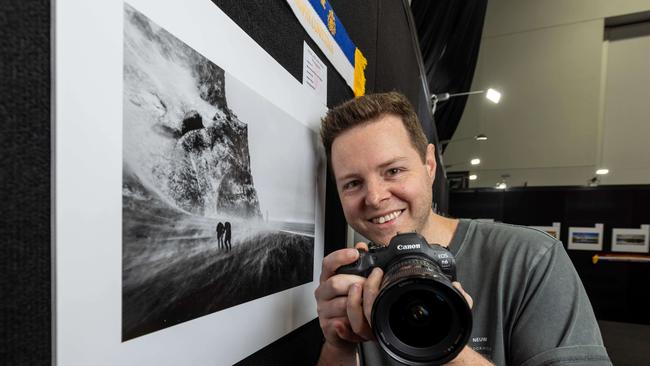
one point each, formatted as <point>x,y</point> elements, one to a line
<point>370,108</point>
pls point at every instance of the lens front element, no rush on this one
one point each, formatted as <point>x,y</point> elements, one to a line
<point>419,318</point>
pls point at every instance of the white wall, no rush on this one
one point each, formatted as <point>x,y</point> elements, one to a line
<point>626,142</point>
<point>565,96</point>
<point>512,16</point>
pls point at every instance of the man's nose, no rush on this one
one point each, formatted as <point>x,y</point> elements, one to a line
<point>376,192</point>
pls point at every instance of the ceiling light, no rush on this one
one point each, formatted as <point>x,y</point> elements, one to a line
<point>602,171</point>
<point>501,185</point>
<point>473,177</point>
<point>493,96</point>
<point>480,137</point>
<point>475,161</point>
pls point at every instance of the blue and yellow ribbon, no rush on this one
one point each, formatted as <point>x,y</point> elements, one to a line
<point>336,30</point>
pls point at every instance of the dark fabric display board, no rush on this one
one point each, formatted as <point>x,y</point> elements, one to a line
<point>25,284</point>
<point>614,288</point>
<point>381,29</point>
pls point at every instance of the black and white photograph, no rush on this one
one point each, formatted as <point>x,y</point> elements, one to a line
<point>218,186</point>
<point>631,240</point>
<point>586,238</point>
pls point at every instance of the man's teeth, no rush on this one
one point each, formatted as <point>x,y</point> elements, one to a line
<point>386,218</point>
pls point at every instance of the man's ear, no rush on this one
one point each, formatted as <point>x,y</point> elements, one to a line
<point>430,161</point>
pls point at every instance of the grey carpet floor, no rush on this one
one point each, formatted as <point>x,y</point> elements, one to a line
<point>627,344</point>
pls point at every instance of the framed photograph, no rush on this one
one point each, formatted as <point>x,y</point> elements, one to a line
<point>189,187</point>
<point>631,240</point>
<point>586,238</point>
<point>553,230</point>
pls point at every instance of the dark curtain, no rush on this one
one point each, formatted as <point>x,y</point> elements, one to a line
<point>450,35</point>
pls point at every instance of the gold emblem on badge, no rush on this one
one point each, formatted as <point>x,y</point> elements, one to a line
<point>331,23</point>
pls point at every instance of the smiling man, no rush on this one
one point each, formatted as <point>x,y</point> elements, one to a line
<point>529,305</point>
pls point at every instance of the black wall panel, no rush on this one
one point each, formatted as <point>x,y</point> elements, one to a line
<point>465,204</point>
<point>534,202</point>
<point>25,284</point>
<point>616,289</point>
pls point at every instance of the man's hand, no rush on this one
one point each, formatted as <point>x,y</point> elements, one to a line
<point>468,298</point>
<point>332,300</point>
<point>468,356</point>
<point>361,297</point>
<point>344,303</point>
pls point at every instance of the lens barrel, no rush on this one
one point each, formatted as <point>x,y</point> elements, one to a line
<point>419,318</point>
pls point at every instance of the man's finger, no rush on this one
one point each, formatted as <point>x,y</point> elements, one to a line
<point>333,308</point>
<point>361,246</point>
<point>342,328</point>
<point>468,298</point>
<point>336,286</point>
<point>370,291</point>
<point>335,260</point>
<point>358,321</point>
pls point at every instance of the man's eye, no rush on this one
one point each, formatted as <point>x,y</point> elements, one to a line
<point>393,171</point>
<point>350,185</point>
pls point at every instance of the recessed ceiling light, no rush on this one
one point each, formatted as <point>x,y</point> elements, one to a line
<point>475,161</point>
<point>480,137</point>
<point>473,177</point>
<point>501,185</point>
<point>602,171</point>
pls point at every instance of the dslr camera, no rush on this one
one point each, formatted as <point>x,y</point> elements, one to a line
<point>418,317</point>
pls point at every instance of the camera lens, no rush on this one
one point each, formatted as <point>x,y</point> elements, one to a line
<point>419,318</point>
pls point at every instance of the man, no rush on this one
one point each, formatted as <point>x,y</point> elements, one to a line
<point>528,304</point>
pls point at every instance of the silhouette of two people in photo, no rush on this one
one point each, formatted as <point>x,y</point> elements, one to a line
<point>223,236</point>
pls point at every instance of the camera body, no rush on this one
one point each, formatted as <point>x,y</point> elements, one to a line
<point>402,245</point>
<point>418,317</point>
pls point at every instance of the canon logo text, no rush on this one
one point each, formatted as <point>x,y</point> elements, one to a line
<point>408,246</point>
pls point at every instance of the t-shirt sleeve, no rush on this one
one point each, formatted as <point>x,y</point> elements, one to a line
<point>554,323</point>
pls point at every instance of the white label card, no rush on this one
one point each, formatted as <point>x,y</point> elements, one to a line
<point>314,73</point>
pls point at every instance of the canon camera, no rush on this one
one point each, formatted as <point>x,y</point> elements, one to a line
<point>418,317</point>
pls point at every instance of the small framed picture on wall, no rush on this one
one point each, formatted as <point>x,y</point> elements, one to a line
<point>631,240</point>
<point>586,238</point>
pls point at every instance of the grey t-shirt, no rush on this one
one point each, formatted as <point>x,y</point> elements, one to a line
<point>530,308</point>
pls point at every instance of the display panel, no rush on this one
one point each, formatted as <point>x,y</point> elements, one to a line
<point>170,121</point>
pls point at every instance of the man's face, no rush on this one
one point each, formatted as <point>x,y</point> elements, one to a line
<point>384,186</point>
